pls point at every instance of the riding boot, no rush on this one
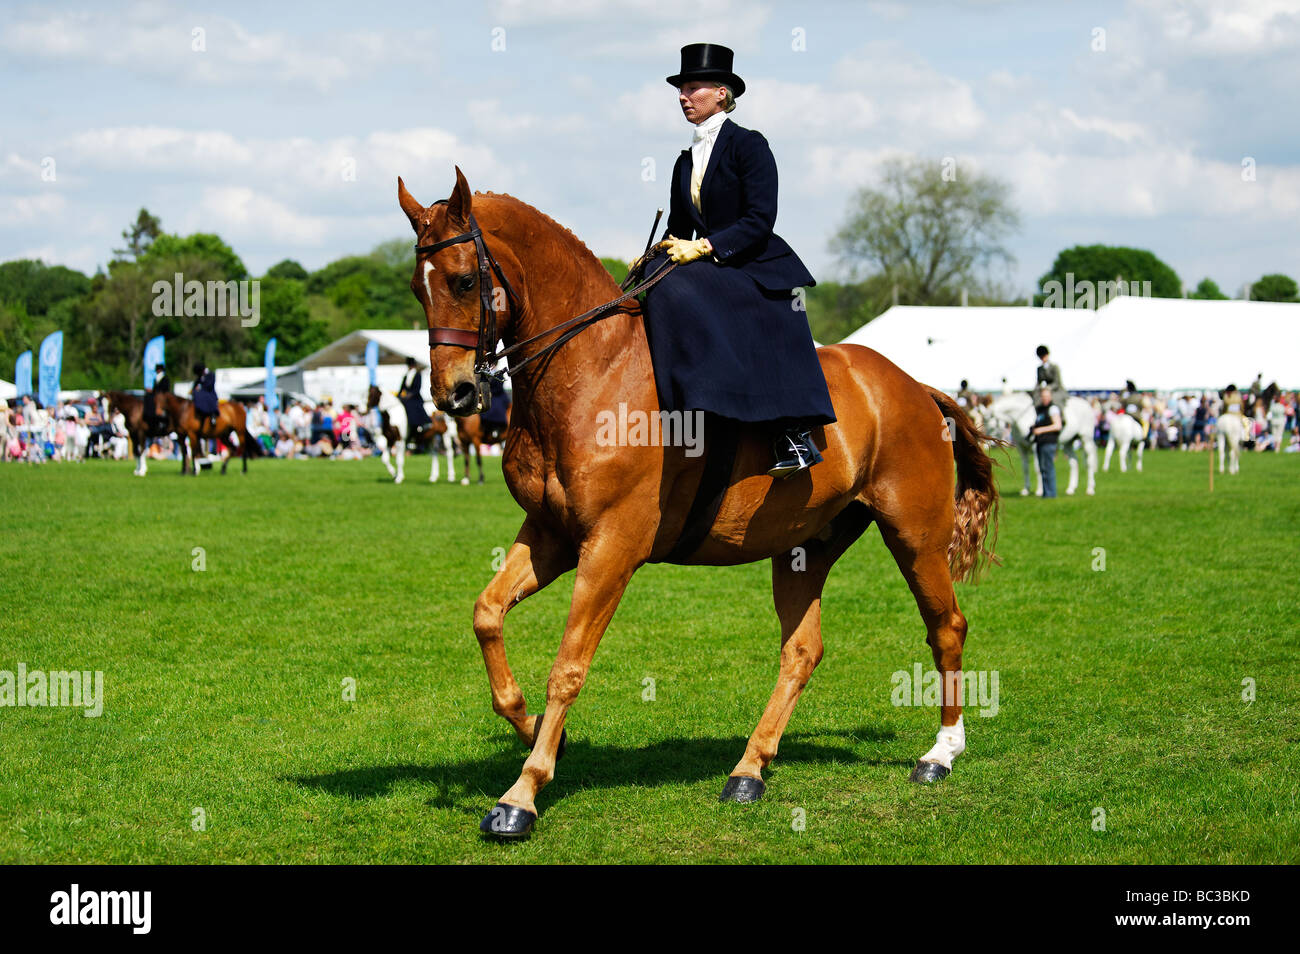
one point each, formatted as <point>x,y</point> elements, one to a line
<point>794,451</point>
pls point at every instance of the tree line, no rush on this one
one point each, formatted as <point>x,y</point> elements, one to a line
<point>929,233</point>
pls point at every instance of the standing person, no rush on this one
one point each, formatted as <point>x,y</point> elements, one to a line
<point>723,333</point>
<point>1049,376</point>
<point>1045,434</point>
<point>411,394</point>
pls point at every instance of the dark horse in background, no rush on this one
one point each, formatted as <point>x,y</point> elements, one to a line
<point>607,509</point>
<point>487,428</point>
<point>140,429</point>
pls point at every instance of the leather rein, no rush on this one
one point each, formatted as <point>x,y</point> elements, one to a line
<point>484,339</point>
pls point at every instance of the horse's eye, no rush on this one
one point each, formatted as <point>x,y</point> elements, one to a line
<point>464,283</point>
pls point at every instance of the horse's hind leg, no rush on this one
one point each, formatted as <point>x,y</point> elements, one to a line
<point>797,581</point>
<point>921,554</point>
<point>478,455</point>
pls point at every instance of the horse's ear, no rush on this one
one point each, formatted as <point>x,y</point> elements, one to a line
<point>412,208</point>
<point>459,202</point>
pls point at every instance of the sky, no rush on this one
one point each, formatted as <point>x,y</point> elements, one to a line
<point>1164,125</point>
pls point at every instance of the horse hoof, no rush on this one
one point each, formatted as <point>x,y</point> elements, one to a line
<point>1024,493</point>
<point>507,823</point>
<point>464,481</point>
<point>929,772</point>
<point>742,788</point>
<point>564,737</point>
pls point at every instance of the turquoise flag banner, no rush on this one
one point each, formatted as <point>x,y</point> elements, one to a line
<point>372,359</point>
<point>154,355</point>
<point>51,364</point>
<point>23,373</point>
<point>272,398</point>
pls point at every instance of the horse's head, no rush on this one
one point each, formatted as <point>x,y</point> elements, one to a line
<point>372,399</point>
<point>446,284</point>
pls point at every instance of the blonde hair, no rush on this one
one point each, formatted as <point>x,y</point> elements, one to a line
<point>728,101</point>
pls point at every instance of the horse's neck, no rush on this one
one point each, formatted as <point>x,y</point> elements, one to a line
<point>387,402</point>
<point>605,357</point>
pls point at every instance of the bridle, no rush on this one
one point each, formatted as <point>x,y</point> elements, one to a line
<point>483,340</point>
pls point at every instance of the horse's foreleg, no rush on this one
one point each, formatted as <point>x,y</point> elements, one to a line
<point>1222,446</point>
<point>534,560</point>
<point>478,456</point>
<point>451,462</point>
<point>1072,454</point>
<point>1110,450</point>
<point>433,468</point>
<point>797,581</point>
<point>925,567</point>
<point>603,574</point>
<point>399,452</point>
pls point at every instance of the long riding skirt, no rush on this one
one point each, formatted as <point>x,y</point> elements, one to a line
<point>722,343</point>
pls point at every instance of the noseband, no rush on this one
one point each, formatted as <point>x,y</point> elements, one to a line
<point>483,341</point>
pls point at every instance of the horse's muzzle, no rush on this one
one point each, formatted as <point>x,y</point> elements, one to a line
<point>464,400</point>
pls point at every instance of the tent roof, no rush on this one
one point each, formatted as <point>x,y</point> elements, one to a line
<point>1161,343</point>
<point>941,346</point>
<point>394,348</point>
<point>8,390</point>
<point>1173,343</point>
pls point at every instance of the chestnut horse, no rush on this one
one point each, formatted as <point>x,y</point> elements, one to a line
<point>471,433</point>
<point>227,426</point>
<point>608,509</point>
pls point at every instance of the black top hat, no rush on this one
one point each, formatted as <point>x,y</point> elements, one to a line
<point>708,61</point>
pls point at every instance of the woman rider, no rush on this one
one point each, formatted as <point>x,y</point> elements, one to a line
<point>724,331</point>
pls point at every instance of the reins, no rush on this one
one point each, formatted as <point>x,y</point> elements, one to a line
<point>483,340</point>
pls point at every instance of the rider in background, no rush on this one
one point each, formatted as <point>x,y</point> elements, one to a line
<point>1049,376</point>
<point>204,394</point>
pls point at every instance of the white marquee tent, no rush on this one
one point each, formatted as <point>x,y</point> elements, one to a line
<point>1160,343</point>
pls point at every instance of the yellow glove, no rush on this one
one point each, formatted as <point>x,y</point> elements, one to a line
<point>682,251</point>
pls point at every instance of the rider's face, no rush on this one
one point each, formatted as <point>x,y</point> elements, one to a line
<point>700,99</point>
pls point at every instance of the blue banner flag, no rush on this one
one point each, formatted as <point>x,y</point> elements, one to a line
<point>23,373</point>
<point>154,355</point>
<point>51,364</point>
<point>372,359</point>
<point>272,398</point>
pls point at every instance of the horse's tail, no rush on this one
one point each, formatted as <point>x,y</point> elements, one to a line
<point>976,495</point>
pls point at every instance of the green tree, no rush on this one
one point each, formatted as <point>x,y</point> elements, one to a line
<point>140,235</point>
<point>286,317</point>
<point>201,246</point>
<point>1099,264</point>
<point>930,228</point>
<point>1273,288</point>
<point>1208,290</point>
<point>287,269</point>
<point>616,267</point>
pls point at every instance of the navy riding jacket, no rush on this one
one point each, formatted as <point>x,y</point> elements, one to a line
<point>738,196</point>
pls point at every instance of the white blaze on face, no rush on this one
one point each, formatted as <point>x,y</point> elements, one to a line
<point>428,270</point>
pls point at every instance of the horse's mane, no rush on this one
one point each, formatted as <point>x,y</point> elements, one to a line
<point>576,245</point>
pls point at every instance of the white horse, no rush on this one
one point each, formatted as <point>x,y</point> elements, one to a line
<point>1015,412</point>
<point>393,430</point>
<point>1125,431</point>
<point>1229,431</point>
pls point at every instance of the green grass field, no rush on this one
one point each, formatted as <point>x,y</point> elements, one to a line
<point>1119,689</point>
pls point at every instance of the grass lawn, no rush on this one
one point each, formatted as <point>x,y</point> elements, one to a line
<point>1119,689</point>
